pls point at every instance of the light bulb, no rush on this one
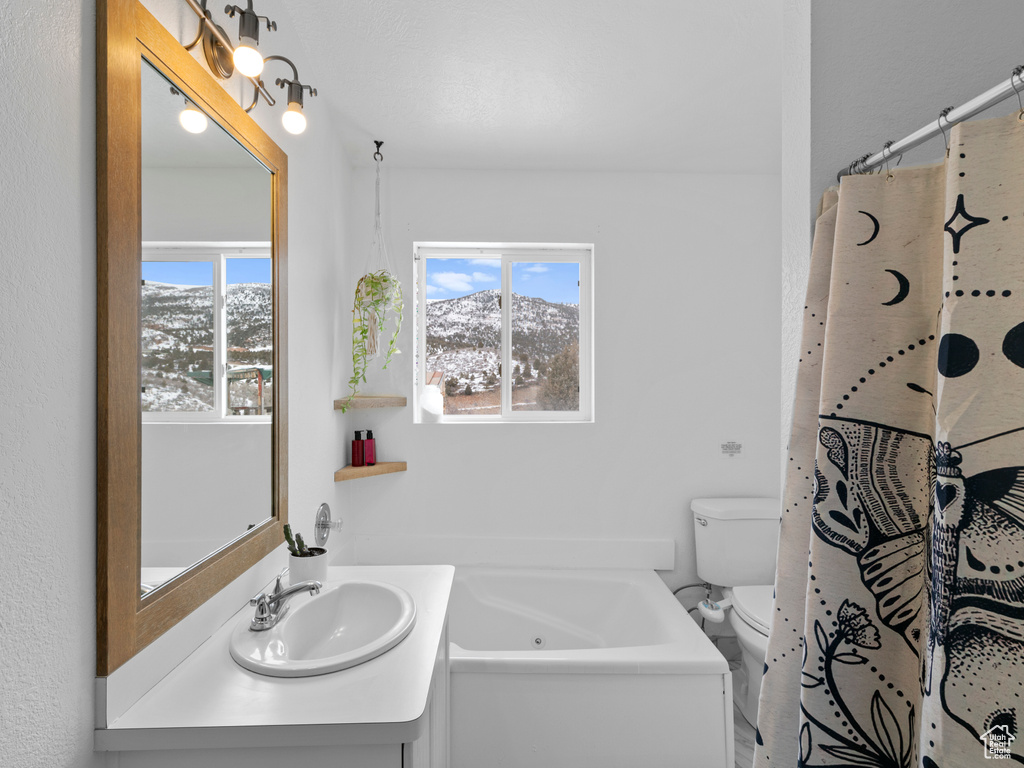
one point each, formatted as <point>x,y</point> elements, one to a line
<point>293,120</point>
<point>248,60</point>
<point>192,120</point>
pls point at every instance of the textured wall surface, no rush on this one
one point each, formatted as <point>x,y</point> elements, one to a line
<point>47,430</point>
<point>686,356</point>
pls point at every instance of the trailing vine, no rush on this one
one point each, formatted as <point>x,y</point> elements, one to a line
<point>378,295</point>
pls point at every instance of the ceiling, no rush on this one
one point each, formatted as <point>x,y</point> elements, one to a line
<point>652,85</point>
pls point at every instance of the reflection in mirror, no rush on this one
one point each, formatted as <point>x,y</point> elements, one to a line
<point>206,346</point>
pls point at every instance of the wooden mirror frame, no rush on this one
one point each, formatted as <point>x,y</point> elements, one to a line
<point>125,622</point>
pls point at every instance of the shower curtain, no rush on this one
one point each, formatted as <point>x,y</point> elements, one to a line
<point>898,626</point>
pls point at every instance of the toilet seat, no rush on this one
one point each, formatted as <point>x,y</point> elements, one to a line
<point>754,605</point>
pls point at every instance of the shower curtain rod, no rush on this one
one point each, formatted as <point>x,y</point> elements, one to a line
<point>975,106</point>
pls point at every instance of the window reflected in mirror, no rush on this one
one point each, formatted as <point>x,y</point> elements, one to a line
<point>177,336</point>
<point>206,336</point>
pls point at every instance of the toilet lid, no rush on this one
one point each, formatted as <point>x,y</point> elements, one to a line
<point>754,604</point>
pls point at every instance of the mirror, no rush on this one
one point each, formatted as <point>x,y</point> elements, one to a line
<point>206,344</point>
<point>191,382</point>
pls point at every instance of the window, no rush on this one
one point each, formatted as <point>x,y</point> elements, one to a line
<point>504,332</point>
<point>207,332</point>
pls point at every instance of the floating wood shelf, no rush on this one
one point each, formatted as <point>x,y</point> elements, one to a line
<point>380,468</point>
<point>371,401</point>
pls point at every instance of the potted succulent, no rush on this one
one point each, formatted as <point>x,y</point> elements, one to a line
<point>304,563</point>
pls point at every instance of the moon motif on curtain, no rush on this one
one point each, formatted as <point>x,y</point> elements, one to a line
<point>898,630</point>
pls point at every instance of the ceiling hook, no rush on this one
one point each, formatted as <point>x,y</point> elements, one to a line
<point>377,155</point>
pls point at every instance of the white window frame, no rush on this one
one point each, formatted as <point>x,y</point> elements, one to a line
<point>217,254</point>
<point>509,253</point>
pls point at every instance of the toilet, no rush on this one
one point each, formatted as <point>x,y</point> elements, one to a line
<point>736,541</point>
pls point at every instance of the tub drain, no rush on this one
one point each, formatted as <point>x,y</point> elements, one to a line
<point>538,642</point>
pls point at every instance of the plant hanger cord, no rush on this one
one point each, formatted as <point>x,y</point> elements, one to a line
<point>378,293</point>
<point>376,262</point>
<point>378,258</point>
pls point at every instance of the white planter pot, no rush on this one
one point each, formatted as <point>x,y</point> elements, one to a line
<point>308,568</point>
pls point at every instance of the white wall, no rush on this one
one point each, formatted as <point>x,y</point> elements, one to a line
<point>176,204</point>
<point>48,368</point>
<point>48,426</point>
<point>687,355</point>
<point>191,469</point>
<point>874,70</point>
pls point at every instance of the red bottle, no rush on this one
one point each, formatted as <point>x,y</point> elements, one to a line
<point>358,457</point>
<point>370,449</point>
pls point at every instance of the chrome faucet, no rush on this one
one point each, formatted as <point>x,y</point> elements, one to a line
<point>271,608</point>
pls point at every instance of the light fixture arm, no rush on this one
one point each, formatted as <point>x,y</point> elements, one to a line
<point>255,95</point>
<point>286,60</point>
<point>294,87</point>
<point>214,38</point>
<point>202,25</point>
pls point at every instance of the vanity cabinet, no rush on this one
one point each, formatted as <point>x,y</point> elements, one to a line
<point>430,750</point>
<point>389,712</point>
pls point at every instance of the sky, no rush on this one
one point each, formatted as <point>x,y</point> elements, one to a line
<point>201,272</point>
<point>552,281</point>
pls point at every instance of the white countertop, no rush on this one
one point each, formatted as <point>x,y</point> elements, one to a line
<point>210,701</point>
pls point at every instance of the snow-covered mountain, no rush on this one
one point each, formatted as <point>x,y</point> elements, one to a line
<point>177,337</point>
<point>463,335</point>
<point>182,315</point>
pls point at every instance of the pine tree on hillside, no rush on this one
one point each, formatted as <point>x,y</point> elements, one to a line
<point>561,390</point>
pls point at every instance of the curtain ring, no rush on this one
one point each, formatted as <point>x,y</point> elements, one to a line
<point>1017,72</point>
<point>851,169</point>
<point>886,154</point>
<point>942,115</point>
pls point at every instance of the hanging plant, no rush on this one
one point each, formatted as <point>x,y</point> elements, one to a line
<point>377,294</point>
<point>378,297</point>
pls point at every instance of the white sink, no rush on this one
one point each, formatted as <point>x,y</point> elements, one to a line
<point>345,625</point>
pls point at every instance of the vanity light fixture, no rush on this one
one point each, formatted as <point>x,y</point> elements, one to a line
<point>293,120</point>
<point>191,119</point>
<point>248,59</point>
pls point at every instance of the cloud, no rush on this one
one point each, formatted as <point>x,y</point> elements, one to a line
<point>432,289</point>
<point>483,277</point>
<point>453,281</point>
<point>492,263</point>
<point>537,268</point>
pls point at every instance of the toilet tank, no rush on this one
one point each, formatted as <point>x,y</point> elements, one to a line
<point>736,540</point>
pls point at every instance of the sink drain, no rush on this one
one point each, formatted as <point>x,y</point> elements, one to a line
<point>538,642</point>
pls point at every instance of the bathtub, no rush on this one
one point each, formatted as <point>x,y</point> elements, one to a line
<point>595,669</point>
